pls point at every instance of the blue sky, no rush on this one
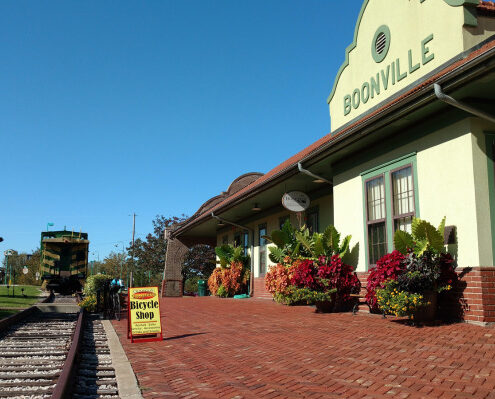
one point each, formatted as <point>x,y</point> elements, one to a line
<point>114,107</point>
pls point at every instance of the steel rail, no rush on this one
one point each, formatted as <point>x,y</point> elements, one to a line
<point>65,381</point>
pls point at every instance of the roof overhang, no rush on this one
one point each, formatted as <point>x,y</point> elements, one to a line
<point>469,77</point>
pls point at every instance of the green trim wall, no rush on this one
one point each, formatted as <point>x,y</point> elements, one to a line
<point>385,169</point>
<point>489,139</point>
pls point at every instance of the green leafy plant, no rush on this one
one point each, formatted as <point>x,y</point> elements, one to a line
<point>294,243</point>
<point>303,296</point>
<point>95,283</point>
<point>392,300</point>
<point>228,254</point>
<point>89,303</point>
<point>222,292</point>
<point>424,237</point>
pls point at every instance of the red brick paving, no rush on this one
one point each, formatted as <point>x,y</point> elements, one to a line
<point>227,348</point>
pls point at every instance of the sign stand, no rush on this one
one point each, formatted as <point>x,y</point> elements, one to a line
<point>143,315</point>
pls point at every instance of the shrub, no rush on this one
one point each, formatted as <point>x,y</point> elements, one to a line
<point>392,300</point>
<point>222,292</point>
<point>89,303</point>
<point>215,281</point>
<point>388,267</point>
<point>304,275</point>
<point>277,279</point>
<point>339,276</point>
<point>94,283</point>
<point>233,280</point>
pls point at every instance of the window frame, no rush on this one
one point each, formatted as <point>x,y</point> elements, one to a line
<point>376,221</point>
<point>403,215</point>
<point>314,210</point>
<point>386,170</point>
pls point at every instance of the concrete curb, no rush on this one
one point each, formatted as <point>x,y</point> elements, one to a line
<point>126,380</point>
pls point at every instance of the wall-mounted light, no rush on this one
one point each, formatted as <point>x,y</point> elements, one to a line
<point>319,181</point>
<point>220,224</point>
<point>256,208</point>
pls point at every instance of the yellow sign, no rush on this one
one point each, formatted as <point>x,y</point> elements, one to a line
<point>144,311</point>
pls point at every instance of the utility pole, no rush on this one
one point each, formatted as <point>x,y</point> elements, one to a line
<point>132,256</point>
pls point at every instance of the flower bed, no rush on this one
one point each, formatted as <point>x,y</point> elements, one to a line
<point>310,269</point>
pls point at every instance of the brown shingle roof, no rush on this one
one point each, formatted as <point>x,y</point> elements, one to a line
<point>486,8</point>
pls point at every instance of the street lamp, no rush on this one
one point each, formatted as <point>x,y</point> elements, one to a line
<point>122,259</point>
<point>49,224</point>
<point>97,253</point>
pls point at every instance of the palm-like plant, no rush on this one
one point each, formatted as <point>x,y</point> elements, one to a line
<point>424,237</point>
<point>229,254</point>
<point>301,243</point>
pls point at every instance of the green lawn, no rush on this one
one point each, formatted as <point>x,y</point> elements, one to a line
<point>7,313</point>
<point>31,295</point>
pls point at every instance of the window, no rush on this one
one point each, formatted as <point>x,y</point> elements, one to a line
<point>245,242</point>
<point>377,233</point>
<point>282,220</point>
<point>390,197</point>
<point>241,239</point>
<point>262,249</point>
<point>237,239</point>
<point>403,198</point>
<point>312,220</point>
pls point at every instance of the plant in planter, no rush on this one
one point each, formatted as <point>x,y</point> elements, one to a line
<point>415,278</point>
<point>389,267</point>
<point>392,300</point>
<point>232,276</point>
<point>292,244</point>
<point>310,269</point>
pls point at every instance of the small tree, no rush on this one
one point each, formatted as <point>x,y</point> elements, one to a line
<point>199,263</point>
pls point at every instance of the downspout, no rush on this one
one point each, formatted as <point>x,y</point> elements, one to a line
<point>452,101</point>
<point>307,172</point>
<point>251,277</point>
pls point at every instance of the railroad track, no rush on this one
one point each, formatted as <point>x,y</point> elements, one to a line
<point>56,355</point>
<point>33,354</point>
<point>95,375</point>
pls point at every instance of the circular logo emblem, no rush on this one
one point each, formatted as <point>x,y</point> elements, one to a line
<point>380,43</point>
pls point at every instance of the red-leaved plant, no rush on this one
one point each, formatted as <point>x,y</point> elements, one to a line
<point>277,279</point>
<point>336,274</point>
<point>389,266</point>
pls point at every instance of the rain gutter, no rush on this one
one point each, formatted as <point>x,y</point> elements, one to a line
<point>307,172</point>
<point>458,104</point>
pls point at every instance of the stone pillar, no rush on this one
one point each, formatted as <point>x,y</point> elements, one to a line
<point>172,281</point>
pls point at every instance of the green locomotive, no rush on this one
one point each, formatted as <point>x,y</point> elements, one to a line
<point>64,260</point>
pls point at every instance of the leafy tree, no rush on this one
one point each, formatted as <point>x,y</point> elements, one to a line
<point>16,263</point>
<point>149,254</point>
<point>114,264</point>
<point>199,263</point>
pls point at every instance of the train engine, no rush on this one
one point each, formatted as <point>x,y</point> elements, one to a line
<point>64,260</point>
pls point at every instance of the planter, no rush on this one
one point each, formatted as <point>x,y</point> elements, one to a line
<point>324,306</point>
<point>427,313</point>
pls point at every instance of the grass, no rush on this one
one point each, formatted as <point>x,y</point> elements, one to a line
<point>31,295</point>
<point>7,313</point>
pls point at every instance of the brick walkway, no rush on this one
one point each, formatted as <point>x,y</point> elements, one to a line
<point>226,348</point>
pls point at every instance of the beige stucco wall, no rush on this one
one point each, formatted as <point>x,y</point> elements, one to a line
<point>447,162</point>
<point>325,207</point>
<point>409,22</point>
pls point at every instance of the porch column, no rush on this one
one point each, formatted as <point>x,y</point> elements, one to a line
<point>172,276</point>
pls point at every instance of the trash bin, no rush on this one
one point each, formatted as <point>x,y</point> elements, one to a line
<point>201,287</point>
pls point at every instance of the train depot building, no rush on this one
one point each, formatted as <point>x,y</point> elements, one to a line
<point>412,113</point>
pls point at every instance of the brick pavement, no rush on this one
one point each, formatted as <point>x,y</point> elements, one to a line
<point>227,348</point>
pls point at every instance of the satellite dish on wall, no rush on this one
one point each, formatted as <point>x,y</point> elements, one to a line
<point>296,201</point>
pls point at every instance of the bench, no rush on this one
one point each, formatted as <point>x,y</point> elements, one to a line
<point>360,299</point>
